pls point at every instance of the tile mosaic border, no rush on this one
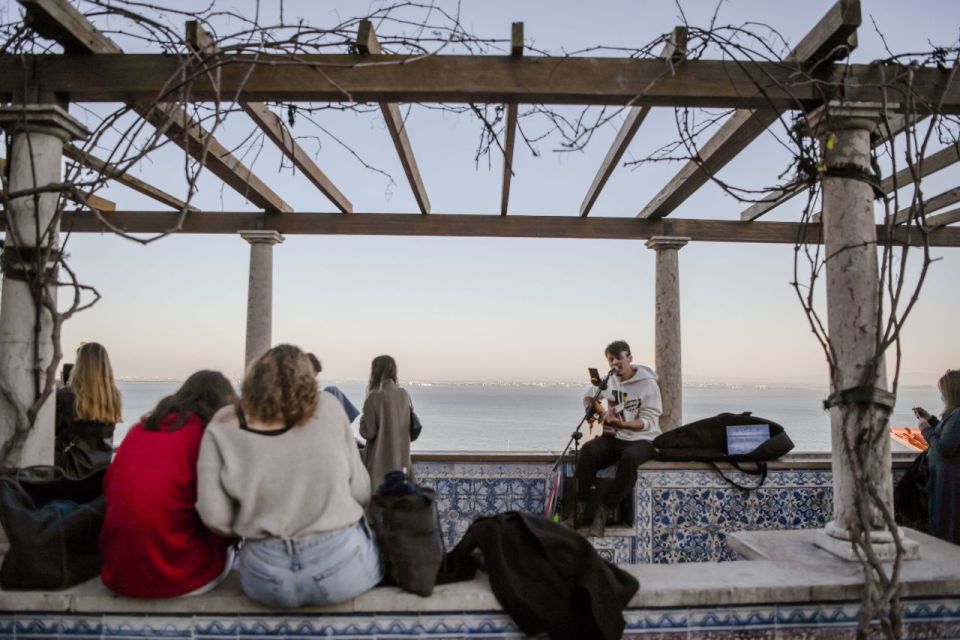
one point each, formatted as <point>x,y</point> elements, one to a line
<point>932,618</point>
<point>680,515</point>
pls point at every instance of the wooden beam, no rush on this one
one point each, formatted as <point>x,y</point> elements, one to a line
<point>112,172</point>
<point>897,124</point>
<point>58,19</point>
<point>943,219</point>
<point>271,124</point>
<point>673,51</point>
<point>203,43</point>
<point>510,129</point>
<point>939,201</point>
<point>367,45</point>
<point>101,204</point>
<point>931,164</point>
<point>481,79</point>
<point>833,35</point>
<point>190,136</point>
<point>488,225</point>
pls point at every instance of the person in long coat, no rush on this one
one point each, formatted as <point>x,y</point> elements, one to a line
<point>385,423</point>
<point>943,457</point>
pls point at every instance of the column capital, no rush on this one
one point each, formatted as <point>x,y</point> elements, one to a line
<point>261,236</point>
<point>666,242</point>
<point>846,115</point>
<point>42,118</point>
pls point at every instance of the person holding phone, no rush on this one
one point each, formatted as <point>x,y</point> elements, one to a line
<point>943,456</point>
<point>631,422</point>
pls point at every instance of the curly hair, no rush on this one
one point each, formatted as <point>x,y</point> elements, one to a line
<point>279,387</point>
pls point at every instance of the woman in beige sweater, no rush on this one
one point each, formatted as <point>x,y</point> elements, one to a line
<point>282,471</point>
<point>386,422</point>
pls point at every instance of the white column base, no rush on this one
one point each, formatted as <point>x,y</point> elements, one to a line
<point>836,541</point>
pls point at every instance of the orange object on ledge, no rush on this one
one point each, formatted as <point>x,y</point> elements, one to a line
<point>909,436</point>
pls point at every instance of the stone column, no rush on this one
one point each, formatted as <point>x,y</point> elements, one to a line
<point>853,294</point>
<point>38,132</point>
<point>260,292</point>
<point>667,323</point>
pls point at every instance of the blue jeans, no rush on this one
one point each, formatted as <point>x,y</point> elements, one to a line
<point>320,569</point>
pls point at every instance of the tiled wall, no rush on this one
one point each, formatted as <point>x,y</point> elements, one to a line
<point>923,619</point>
<point>681,515</point>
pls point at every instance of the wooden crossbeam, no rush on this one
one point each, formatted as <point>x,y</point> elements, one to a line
<point>510,130</point>
<point>200,41</point>
<point>833,36</point>
<point>939,201</point>
<point>673,51</point>
<point>487,225</point>
<point>58,20</point>
<point>943,219</point>
<point>481,79</point>
<point>931,164</point>
<point>897,124</point>
<point>112,172</point>
<point>98,203</point>
<point>367,44</point>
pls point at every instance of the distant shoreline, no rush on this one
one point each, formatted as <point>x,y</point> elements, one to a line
<point>718,384</point>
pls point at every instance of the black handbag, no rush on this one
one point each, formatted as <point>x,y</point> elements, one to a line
<point>706,441</point>
<point>415,426</point>
<point>53,524</point>
<point>407,526</point>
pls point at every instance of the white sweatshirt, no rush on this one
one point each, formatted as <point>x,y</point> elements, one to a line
<point>635,399</point>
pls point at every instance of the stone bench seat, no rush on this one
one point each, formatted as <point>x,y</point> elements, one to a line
<point>796,588</point>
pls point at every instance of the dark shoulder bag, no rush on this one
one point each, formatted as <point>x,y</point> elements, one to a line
<point>415,426</point>
<point>407,525</point>
<point>53,523</point>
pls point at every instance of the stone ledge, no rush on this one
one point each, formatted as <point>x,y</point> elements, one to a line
<point>799,461</point>
<point>799,573</point>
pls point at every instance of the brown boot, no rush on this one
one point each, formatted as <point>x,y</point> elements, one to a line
<point>599,523</point>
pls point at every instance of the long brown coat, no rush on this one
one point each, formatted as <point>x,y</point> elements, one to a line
<point>386,426</point>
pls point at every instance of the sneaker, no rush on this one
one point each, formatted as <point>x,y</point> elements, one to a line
<point>599,523</point>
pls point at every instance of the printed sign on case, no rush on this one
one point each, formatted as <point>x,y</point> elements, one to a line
<point>744,438</point>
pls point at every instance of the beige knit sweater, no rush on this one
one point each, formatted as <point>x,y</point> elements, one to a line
<point>307,479</point>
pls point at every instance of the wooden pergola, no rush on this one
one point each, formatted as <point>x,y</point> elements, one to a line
<point>93,69</point>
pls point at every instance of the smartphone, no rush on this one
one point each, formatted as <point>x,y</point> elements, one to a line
<point>594,376</point>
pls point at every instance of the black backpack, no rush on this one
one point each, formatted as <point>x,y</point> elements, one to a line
<point>706,441</point>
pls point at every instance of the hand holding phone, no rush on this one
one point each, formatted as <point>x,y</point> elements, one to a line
<point>921,413</point>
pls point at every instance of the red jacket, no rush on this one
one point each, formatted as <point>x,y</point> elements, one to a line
<point>153,544</point>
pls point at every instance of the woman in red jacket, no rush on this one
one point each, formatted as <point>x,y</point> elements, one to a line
<point>153,544</point>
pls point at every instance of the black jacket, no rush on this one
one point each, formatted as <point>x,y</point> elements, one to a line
<point>547,577</point>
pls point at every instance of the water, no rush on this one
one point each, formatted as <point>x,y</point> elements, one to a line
<point>540,418</point>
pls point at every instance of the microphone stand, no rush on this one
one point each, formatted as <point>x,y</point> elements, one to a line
<point>576,435</point>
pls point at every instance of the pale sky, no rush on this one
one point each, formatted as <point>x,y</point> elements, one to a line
<point>482,308</point>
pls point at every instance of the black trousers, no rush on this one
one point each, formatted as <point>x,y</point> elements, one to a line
<point>603,452</point>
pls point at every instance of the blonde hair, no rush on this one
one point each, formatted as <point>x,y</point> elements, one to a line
<point>950,386</point>
<point>97,398</point>
<point>280,387</point>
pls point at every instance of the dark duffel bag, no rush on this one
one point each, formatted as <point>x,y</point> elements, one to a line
<point>53,524</point>
<point>706,441</point>
<point>408,532</point>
